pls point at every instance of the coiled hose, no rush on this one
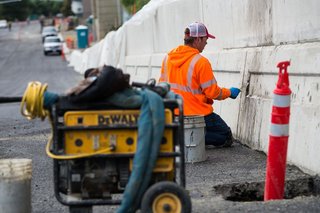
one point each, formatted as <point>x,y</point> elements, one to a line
<point>34,104</point>
<point>32,101</point>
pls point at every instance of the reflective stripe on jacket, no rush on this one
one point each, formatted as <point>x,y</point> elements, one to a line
<point>190,75</point>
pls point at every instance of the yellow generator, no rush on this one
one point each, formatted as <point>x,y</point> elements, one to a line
<point>106,138</point>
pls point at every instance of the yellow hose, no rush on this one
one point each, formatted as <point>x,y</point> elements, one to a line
<point>32,101</point>
<point>32,107</point>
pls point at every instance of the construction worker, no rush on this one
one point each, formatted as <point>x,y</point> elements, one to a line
<point>190,75</point>
<point>9,25</point>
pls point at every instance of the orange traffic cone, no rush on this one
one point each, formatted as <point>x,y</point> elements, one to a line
<point>278,138</point>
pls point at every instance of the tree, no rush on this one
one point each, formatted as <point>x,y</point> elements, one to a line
<point>16,10</point>
<point>47,8</point>
<point>25,8</point>
<point>66,8</point>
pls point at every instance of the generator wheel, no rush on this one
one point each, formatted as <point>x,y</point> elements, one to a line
<point>166,197</point>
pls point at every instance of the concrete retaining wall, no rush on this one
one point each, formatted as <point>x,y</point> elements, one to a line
<point>252,37</point>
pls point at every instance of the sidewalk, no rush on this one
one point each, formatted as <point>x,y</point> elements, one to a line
<point>232,180</point>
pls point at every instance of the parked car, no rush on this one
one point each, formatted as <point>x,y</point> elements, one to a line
<point>48,31</point>
<point>3,24</point>
<point>52,44</point>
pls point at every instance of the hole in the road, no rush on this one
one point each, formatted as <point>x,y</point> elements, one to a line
<point>245,192</point>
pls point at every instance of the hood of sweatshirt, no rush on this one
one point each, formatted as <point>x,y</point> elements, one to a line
<point>181,54</point>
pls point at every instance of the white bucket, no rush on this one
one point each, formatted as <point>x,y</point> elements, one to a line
<point>194,139</point>
<point>15,185</point>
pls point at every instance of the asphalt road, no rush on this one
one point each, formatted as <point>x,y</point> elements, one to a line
<point>22,61</point>
<point>230,180</point>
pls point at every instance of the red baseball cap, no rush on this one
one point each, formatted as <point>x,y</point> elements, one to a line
<point>199,30</point>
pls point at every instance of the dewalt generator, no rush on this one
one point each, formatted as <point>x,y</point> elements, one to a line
<point>95,146</point>
<point>112,132</point>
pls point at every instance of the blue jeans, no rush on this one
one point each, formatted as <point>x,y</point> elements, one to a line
<point>217,131</point>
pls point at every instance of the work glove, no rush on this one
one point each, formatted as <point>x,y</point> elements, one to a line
<point>234,92</point>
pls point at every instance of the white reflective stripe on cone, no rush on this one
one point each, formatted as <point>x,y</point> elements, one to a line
<point>279,130</point>
<point>281,100</point>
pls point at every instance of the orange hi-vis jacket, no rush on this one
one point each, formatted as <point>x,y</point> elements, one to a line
<point>190,75</point>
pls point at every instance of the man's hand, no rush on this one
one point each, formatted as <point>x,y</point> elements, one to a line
<point>234,92</point>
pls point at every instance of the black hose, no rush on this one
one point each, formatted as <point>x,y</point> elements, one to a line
<point>10,99</point>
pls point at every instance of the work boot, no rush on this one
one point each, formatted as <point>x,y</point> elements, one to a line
<point>230,141</point>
